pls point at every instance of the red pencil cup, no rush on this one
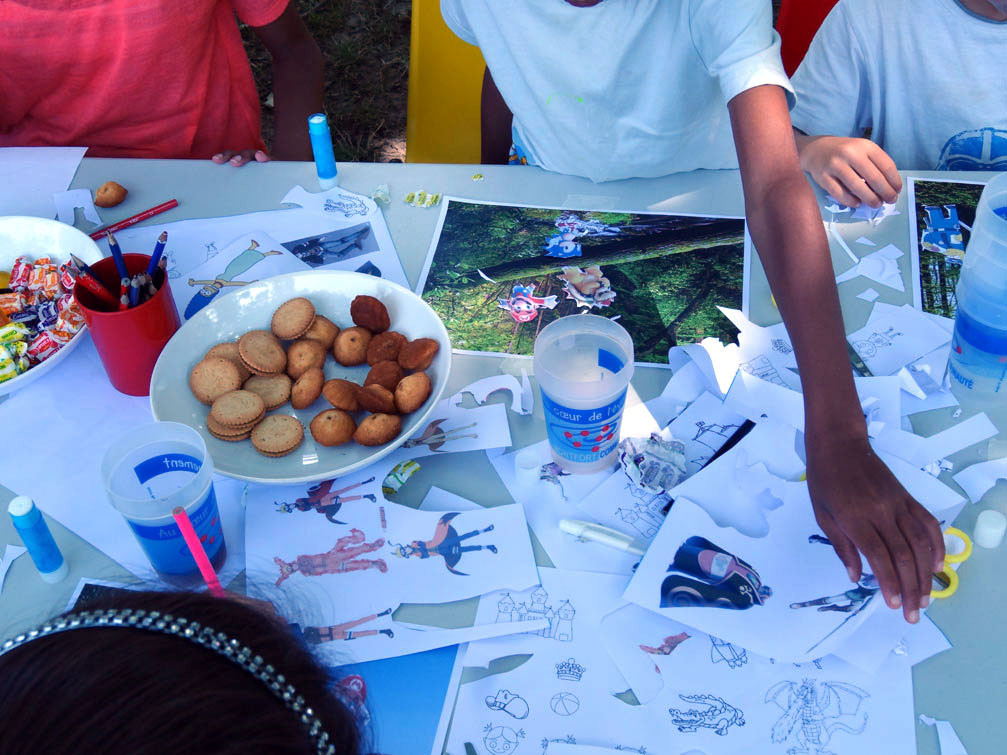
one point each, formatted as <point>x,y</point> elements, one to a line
<point>128,341</point>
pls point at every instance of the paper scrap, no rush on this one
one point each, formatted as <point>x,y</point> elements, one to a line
<point>68,201</point>
<point>29,176</point>
<point>865,241</point>
<point>868,295</point>
<point>977,480</point>
<point>482,389</point>
<point>11,552</point>
<point>841,241</point>
<point>880,266</point>
<point>947,737</point>
<point>895,336</point>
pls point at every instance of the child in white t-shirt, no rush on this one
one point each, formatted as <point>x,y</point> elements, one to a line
<point>611,89</point>
<point>925,76</point>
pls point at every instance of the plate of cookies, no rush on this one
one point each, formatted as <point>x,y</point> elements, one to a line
<point>306,376</point>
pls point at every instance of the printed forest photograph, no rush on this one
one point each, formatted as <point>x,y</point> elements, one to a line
<point>500,273</point>
<point>945,211</point>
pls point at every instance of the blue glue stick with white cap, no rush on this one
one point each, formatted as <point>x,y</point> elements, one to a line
<point>37,539</point>
<point>321,146</point>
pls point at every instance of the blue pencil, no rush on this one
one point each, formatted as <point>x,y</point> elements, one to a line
<point>120,263</point>
<point>158,251</point>
<point>134,291</point>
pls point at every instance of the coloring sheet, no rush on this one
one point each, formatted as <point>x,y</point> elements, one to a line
<point>551,494</point>
<point>941,213</point>
<point>319,237</point>
<point>498,273</point>
<point>342,559</point>
<point>895,336</point>
<point>248,259</point>
<point>766,352</point>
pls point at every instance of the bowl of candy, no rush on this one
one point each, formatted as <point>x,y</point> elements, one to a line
<point>40,324</point>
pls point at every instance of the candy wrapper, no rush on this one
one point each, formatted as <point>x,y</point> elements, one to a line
<point>381,194</point>
<point>12,302</point>
<point>655,463</point>
<point>44,280</point>
<point>15,350</point>
<point>42,347</point>
<point>421,199</point>
<point>67,276</point>
<point>20,274</point>
<point>27,317</point>
<point>13,332</point>
<point>8,367</point>
<point>48,313</point>
<point>70,319</point>
<point>64,301</point>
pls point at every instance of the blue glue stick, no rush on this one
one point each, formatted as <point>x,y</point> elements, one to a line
<point>321,146</point>
<point>37,539</point>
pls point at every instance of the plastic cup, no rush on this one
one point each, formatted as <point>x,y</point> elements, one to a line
<point>147,473</point>
<point>583,364</point>
<point>128,341</point>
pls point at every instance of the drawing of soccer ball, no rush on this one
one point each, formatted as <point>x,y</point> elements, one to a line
<point>564,704</point>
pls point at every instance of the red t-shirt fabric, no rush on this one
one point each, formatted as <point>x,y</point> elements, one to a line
<point>130,78</point>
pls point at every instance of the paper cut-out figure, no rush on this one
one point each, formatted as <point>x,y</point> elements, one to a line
<point>523,305</point>
<point>710,576</point>
<point>321,499</point>
<point>342,558</point>
<point>433,436</point>
<point>239,265</point>
<point>716,714</point>
<point>318,635</point>
<point>501,740</point>
<point>551,473</point>
<point>814,711</point>
<point>510,703</point>
<point>330,247</point>
<point>446,543</point>
<point>721,650</point>
<point>569,227</point>
<point>653,463</point>
<point>588,288</point>
<point>352,691</point>
<point>942,232</point>
<point>669,644</point>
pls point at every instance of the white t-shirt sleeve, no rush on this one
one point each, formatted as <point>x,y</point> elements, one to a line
<point>738,45</point>
<point>453,13</point>
<point>832,85</point>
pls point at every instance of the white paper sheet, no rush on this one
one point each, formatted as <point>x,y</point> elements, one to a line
<point>453,429</point>
<point>947,738</point>
<point>68,201</point>
<point>11,552</point>
<point>865,241</point>
<point>977,480</point>
<point>895,336</point>
<point>881,267</point>
<point>75,415</point>
<point>481,390</point>
<point>341,559</point>
<point>886,631</point>
<point>553,496</point>
<point>249,258</point>
<point>868,295</point>
<point>29,176</point>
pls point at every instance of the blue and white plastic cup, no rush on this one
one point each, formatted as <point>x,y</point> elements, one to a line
<point>583,364</point>
<point>150,471</point>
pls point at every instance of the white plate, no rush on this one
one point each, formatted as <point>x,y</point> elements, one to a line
<point>250,308</point>
<point>34,238</point>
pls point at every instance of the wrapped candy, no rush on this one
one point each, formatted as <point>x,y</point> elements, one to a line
<point>70,319</point>
<point>12,302</point>
<point>44,280</point>
<point>48,313</point>
<point>27,317</point>
<point>20,274</point>
<point>64,301</point>
<point>8,367</point>
<point>12,332</point>
<point>67,276</point>
<point>42,347</point>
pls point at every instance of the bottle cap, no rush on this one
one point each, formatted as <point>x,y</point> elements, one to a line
<point>20,506</point>
<point>989,529</point>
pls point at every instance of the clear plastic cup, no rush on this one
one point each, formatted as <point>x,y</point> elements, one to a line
<point>148,473</point>
<point>583,364</point>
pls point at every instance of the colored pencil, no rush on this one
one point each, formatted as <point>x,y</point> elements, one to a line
<point>155,258</point>
<point>134,291</point>
<point>92,283</point>
<point>198,554</point>
<point>120,263</point>
<point>138,218</point>
<point>123,293</point>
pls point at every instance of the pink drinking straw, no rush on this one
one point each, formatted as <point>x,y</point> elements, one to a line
<point>196,549</point>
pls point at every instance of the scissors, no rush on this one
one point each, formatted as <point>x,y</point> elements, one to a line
<point>947,577</point>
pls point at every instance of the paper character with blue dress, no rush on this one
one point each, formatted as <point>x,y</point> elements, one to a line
<point>446,543</point>
<point>238,266</point>
<point>569,227</point>
<point>942,232</point>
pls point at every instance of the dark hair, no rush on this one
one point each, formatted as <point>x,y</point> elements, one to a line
<point>120,690</point>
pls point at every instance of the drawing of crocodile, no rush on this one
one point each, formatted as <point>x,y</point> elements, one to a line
<point>716,715</point>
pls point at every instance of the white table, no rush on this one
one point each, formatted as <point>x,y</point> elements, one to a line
<point>966,685</point>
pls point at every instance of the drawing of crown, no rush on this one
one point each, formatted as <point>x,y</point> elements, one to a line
<point>569,670</point>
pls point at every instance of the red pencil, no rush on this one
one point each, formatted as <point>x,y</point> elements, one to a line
<point>171,203</point>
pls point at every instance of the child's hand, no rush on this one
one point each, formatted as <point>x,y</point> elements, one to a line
<point>851,170</point>
<point>238,159</point>
<point>861,506</point>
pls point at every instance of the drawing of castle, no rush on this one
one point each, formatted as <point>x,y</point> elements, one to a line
<point>560,619</point>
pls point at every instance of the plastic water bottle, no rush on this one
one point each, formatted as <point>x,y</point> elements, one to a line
<point>977,366</point>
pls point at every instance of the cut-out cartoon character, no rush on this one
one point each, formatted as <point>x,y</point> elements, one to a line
<point>321,250</point>
<point>942,232</point>
<point>588,288</point>
<point>433,436</point>
<point>510,703</point>
<point>653,463</point>
<point>352,691</point>
<point>523,305</point>
<point>341,559</point>
<point>323,500</point>
<point>318,635</point>
<point>569,227</point>
<point>814,711</point>
<point>501,740</point>
<point>239,265</point>
<point>710,576</point>
<point>551,473</point>
<point>669,644</point>
<point>446,543</point>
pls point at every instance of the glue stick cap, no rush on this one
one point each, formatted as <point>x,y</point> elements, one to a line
<point>37,538</point>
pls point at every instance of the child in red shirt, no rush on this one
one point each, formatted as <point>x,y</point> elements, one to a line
<point>154,78</point>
